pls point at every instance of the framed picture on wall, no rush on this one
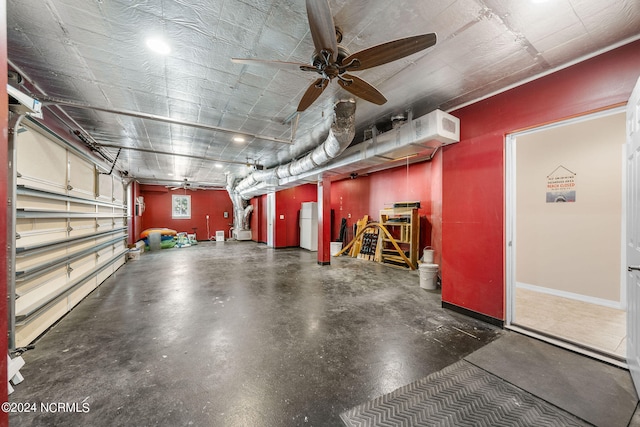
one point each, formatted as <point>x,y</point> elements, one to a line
<point>180,207</point>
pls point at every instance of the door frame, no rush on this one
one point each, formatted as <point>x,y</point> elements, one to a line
<point>271,219</point>
<point>510,232</point>
<point>630,253</point>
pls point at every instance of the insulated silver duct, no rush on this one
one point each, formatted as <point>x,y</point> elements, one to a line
<point>245,220</point>
<point>238,204</point>
<point>340,136</point>
<point>415,140</point>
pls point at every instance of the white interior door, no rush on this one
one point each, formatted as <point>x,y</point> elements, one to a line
<point>633,235</point>
<point>271,219</point>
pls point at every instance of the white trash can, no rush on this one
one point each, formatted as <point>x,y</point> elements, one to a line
<point>428,276</point>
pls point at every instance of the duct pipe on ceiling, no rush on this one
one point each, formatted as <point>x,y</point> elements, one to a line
<point>416,140</point>
<point>340,136</point>
<point>238,203</point>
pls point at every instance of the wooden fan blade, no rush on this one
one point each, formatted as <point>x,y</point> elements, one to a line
<point>278,64</point>
<point>362,89</point>
<point>322,28</point>
<point>312,93</point>
<point>390,51</point>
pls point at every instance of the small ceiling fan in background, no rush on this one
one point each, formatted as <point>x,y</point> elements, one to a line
<point>186,185</point>
<point>331,60</point>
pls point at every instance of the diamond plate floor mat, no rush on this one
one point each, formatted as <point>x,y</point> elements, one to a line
<point>459,395</point>
<point>593,391</point>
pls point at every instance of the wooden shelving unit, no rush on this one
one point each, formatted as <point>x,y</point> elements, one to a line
<point>404,225</point>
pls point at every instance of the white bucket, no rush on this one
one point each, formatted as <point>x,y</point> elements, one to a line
<point>335,248</point>
<point>428,274</point>
<point>427,255</point>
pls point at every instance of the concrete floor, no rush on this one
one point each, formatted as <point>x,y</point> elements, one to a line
<point>237,334</point>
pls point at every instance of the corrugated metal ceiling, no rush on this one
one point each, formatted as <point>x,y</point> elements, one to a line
<point>94,52</point>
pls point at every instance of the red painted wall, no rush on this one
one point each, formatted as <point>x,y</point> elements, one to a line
<point>203,202</point>
<point>4,117</point>
<point>473,169</point>
<point>350,200</point>
<point>324,221</point>
<point>259,219</point>
<point>367,195</point>
<point>412,183</point>
<point>288,202</point>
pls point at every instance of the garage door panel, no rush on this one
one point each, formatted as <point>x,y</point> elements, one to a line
<point>25,334</point>
<point>32,202</point>
<point>77,295</point>
<point>81,177</point>
<point>48,223</point>
<point>40,291</point>
<point>104,274</point>
<point>23,263</point>
<point>105,254</point>
<point>41,163</point>
<point>48,279</point>
<point>82,226</point>
<point>43,224</point>
<point>30,234</point>
<point>82,207</point>
<point>118,191</point>
<point>81,246</point>
<point>104,224</point>
<point>82,266</point>
<point>105,188</point>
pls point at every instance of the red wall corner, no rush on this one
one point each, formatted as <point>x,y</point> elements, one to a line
<point>287,222</point>
<point>473,226</point>
<point>368,194</point>
<point>213,203</point>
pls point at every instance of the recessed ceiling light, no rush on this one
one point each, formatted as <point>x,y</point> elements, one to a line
<point>218,165</point>
<point>158,45</point>
<point>238,139</point>
<point>170,174</point>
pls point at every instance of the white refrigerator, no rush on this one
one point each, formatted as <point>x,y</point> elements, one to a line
<point>309,226</point>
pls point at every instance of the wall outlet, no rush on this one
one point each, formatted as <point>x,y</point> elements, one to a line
<point>226,214</point>
<point>281,216</point>
<point>348,215</point>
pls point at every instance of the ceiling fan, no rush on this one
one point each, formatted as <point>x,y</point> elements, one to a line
<point>186,185</point>
<point>331,60</point>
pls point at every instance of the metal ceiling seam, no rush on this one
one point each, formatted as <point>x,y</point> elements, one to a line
<point>77,104</point>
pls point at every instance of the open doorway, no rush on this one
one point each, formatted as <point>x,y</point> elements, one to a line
<point>565,233</point>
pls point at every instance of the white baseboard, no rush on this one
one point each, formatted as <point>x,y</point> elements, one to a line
<point>570,295</point>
